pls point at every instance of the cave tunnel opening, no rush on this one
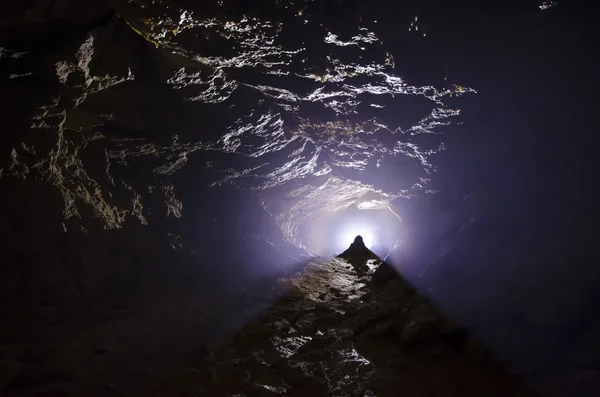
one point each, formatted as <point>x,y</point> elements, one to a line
<point>324,216</point>
<point>331,233</point>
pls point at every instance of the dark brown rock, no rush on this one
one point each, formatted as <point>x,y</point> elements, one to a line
<point>383,274</point>
<point>584,384</point>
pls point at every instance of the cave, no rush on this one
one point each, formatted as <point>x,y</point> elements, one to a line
<point>298,198</point>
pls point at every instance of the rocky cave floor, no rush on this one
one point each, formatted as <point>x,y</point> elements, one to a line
<point>341,327</point>
<point>350,330</point>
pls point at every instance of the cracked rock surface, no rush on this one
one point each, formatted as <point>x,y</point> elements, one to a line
<point>338,332</point>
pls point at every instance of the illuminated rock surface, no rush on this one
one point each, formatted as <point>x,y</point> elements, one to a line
<point>162,162</point>
<point>338,333</point>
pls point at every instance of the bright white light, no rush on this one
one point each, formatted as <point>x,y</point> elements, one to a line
<point>367,205</point>
<point>348,233</point>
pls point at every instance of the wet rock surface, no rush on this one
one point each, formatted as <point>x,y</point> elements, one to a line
<point>336,332</point>
<point>128,126</point>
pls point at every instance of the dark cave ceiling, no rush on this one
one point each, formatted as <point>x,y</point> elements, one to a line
<point>302,102</point>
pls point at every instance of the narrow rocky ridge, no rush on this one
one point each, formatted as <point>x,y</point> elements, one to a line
<point>351,327</point>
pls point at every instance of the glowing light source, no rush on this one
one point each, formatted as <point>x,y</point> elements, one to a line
<point>348,234</point>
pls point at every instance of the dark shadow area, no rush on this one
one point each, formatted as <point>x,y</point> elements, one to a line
<point>525,287</point>
<point>508,247</point>
<point>126,317</point>
<point>86,311</point>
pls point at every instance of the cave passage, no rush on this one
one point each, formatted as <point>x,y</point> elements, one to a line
<point>183,183</point>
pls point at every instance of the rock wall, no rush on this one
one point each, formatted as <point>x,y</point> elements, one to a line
<point>505,267</point>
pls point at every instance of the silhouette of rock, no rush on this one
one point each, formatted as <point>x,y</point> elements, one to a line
<point>341,332</point>
<point>357,254</point>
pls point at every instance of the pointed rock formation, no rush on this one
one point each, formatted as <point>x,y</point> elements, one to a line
<point>357,250</point>
<point>341,331</point>
<point>358,255</point>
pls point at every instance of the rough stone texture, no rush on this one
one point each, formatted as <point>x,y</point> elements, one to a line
<point>333,334</point>
<point>99,296</point>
